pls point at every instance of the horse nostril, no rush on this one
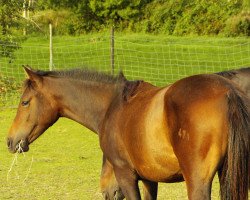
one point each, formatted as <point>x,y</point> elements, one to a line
<point>9,142</point>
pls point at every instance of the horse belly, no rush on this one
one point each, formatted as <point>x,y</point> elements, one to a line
<point>159,162</point>
<point>160,167</point>
<point>154,158</point>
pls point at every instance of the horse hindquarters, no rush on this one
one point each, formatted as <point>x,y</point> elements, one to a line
<point>201,132</point>
<point>234,177</point>
<point>195,148</point>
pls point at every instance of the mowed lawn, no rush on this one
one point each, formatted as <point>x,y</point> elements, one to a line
<point>64,163</point>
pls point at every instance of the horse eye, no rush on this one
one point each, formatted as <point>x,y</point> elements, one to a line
<point>25,103</point>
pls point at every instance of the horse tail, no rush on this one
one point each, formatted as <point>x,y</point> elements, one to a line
<point>234,171</point>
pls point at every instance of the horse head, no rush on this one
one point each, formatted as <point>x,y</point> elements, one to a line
<point>36,112</point>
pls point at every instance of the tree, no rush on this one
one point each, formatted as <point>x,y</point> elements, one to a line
<point>10,12</point>
<point>116,11</point>
<point>246,5</point>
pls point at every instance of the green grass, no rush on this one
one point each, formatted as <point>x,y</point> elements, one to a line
<point>66,165</point>
<point>158,59</point>
<point>67,159</point>
<point>150,57</point>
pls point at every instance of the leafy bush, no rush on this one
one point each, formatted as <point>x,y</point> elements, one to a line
<point>238,25</point>
<point>172,17</point>
<point>183,17</point>
<point>8,84</point>
<point>60,20</point>
<point>8,46</point>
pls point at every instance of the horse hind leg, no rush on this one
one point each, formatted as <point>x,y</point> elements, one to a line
<point>198,168</point>
<point>198,173</point>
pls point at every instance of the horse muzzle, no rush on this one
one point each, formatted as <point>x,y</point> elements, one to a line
<point>20,146</point>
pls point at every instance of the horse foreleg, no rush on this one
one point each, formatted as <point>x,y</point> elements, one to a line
<point>150,190</point>
<point>128,183</point>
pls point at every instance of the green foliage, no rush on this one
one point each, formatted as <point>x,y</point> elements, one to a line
<point>117,10</point>
<point>60,20</point>
<point>10,12</point>
<point>238,25</point>
<point>246,5</point>
<point>183,17</point>
<point>10,24</point>
<point>86,20</point>
<point>172,17</point>
<point>8,45</point>
<point>8,84</point>
<point>162,16</point>
<point>59,4</point>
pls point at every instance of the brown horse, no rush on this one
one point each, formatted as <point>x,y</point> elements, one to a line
<point>192,129</point>
<point>109,185</point>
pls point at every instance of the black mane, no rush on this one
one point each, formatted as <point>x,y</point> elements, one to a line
<point>227,74</point>
<point>84,74</point>
<point>231,73</point>
<point>129,87</point>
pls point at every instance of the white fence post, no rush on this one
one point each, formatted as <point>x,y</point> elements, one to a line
<point>112,50</point>
<point>50,48</point>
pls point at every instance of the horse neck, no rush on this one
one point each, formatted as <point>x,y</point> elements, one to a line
<point>84,102</point>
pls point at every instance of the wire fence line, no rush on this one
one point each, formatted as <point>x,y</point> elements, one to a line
<point>159,60</point>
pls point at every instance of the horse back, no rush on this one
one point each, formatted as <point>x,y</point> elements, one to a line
<point>242,79</point>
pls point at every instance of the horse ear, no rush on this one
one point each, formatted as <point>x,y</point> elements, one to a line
<point>121,76</point>
<point>33,76</point>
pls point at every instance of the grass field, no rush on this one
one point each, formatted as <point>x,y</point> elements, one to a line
<point>155,58</point>
<point>158,59</point>
<point>64,163</point>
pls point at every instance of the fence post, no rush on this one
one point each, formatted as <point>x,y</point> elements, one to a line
<point>112,52</point>
<point>50,48</point>
<point>25,17</point>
